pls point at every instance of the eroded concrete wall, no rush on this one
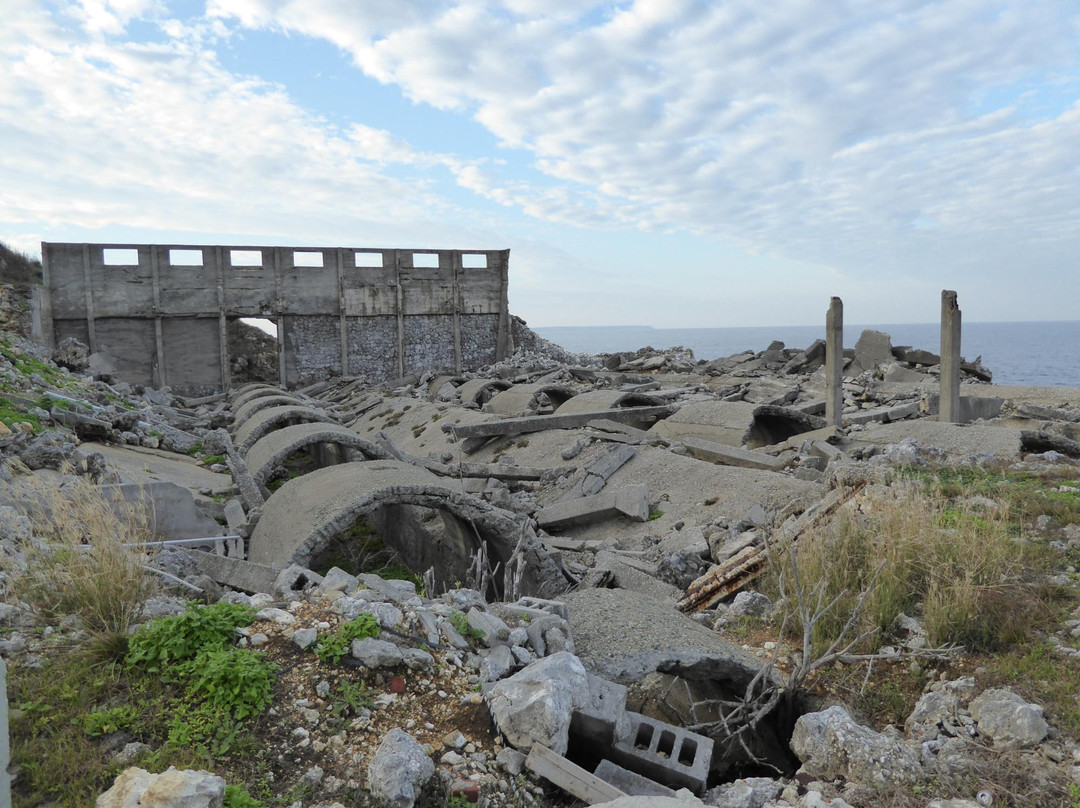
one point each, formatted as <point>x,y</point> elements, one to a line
<point>163,311</point>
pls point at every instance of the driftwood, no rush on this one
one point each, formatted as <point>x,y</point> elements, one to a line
<point>737,571</point>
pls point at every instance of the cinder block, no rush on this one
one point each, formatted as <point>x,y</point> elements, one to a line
<point>630,782</point>
<point>665,753</point>
<point>604,719</point>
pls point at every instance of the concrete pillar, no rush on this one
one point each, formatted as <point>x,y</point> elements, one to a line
<point>834,362</point>
<point>949,395</point>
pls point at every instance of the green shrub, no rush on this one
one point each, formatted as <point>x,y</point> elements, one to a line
<point>332,649</point>
<point>169,640</point>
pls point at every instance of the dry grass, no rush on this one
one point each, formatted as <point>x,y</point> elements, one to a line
<point>958,569</point>
<point>79,565</point>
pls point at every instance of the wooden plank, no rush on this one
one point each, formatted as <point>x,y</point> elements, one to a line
<point>736,572</point>
<point>570,777</point>
<point>539,423</point>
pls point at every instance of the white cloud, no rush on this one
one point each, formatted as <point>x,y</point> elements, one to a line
<point>98,132</point>
<point>836,132</point>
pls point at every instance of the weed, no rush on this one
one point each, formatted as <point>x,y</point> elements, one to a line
<point>654,514</point>
<point>182,637</point>
<point>103,722</point>
<point>82,566</point>
<point>213,460</point>
<point>236,680</point>
<point>350,698</point>
<point>461,623</point>
<point>332,649</point>
<point>237,797</point>
<point>196,450</point>
<point>960,570</point>
<point>10,415</point>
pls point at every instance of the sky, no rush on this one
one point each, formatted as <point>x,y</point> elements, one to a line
<point>655,162</point>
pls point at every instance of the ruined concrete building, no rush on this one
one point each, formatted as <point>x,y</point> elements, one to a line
<point>163,312</point>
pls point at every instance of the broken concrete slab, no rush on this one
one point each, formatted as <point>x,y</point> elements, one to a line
<point>631,783</point>
<point>169,508</point>
<point>622,636</point>
<point>727,422</point>
<point>730,455</point>
<point>594,476</point>
<point>953,439</point>
<point>631,502</point>
<point>239,574</point>
<point>886,414</point>
<point>595,400</point>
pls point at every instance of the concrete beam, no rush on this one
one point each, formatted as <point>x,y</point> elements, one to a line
<point>731,455</point>
<point>540,423</point>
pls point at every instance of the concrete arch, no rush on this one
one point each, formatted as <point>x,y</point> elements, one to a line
<point>248,392</point>
<point>270,451</point>
<point>244,411</point>
<point>524,399</point>
<point>480,391</point>
<point>306,514</point>
<point>272,418</point>
<point>596,400</point>
<point>437,382</point>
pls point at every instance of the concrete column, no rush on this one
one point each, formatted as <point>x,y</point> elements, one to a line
<point>399,309</point>
<point>88,288</point>
<point>343,324</point>
<point>159,340</point>
<point>834,362</point>
<point>43,332</point>
<point>456,268</point>
<point>949,395</point>
<point>503,339</point>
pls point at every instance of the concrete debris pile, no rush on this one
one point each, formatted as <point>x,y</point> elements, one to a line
<point>585,528</point>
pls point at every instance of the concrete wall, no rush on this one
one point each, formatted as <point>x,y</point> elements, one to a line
<point>163,310</point>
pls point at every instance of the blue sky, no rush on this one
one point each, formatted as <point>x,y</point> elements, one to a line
<point>659,162</point>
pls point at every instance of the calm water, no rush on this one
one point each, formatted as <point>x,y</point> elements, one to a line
<point>1017,353</point>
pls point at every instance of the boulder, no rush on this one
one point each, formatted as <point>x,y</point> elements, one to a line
<point>174,788</point>
<point>751,792</point>
<point>535,704</point>
<point>71,354</point>
<point>830,744</point>
<point>873,348</point>
<point>398,770</point>
<point>1008,720</point>
<point>373,653</point>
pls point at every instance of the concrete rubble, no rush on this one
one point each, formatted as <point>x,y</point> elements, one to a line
<point>571,515</point>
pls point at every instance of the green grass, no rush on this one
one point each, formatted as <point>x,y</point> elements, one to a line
<point>11,414</point>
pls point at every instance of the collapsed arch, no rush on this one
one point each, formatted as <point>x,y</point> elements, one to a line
<point>306,514</point>
<point>272,418</point>
<point>268,454</point>
<point>525,399</point>
<point>596,400</point>
<point>243,412</point>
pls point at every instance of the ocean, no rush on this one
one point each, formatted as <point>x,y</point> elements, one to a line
<point>1039,354</point>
